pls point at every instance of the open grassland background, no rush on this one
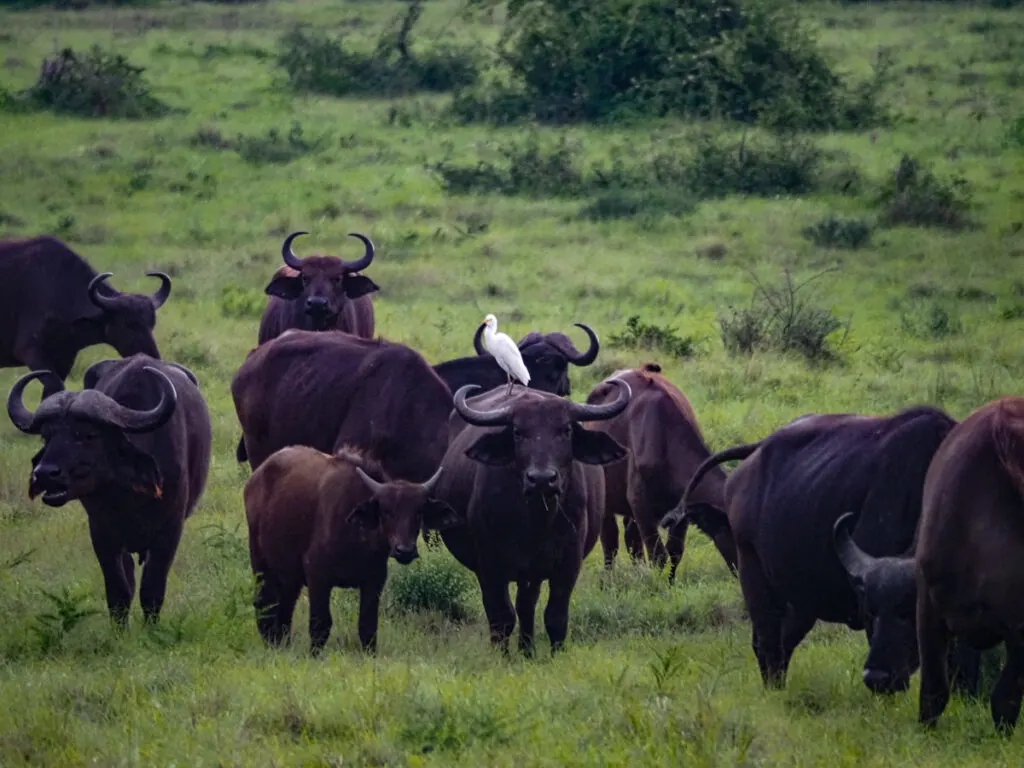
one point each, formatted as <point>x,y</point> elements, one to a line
<point>654,674</point>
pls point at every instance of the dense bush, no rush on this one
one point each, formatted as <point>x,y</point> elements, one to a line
<point>322,64</point>
<point>651,337</point>
<point>838,232</point>
<point>915,196</point>
<point>747,60</point>
<point>261,149</point>
<point>93,84</point>
<point>436,583</point>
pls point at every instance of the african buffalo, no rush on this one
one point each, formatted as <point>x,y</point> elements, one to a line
<point>55,305</point>
<point>659,430</point>
<point>324,521</point>
<point>319,293</point>
<point>967,573</point>
<point>328,390</point>
<point>520,474</point>
<point>134,449</point>
<point>782,503</point>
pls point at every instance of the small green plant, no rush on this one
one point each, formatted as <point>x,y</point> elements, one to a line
<point>930,320</point>
<point>838,232</point>
<point>241,302</point>
<point>68,610</point>
<point>915,196</point>
<point>647,336</point>
<point>779,165</point>
<point>666,667</point>
<point>1015,133</point>
<point>275,148</point>
<point>434,583</point>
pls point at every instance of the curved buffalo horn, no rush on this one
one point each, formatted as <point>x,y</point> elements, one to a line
<point>161,295</point>
<point>428,486</point>
<point>288,255</point>
<point>191,376</point>
<point>101,301</point>
<point>372,484</point>
<point>584,412</point>
<point>585,358</point>
<point>855,561</point>
<point>496,418</point>
<point>21,416</point>
<point>363,263</point>
<point>478,343</point>
<point>93,404</point>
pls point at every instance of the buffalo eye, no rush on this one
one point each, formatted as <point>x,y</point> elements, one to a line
<point>305,279</point>
<point>336,280</point>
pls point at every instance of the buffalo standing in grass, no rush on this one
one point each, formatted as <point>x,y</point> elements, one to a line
<point>524,474</point>
<point>319,293</point>
<point>782,503</point>
<point>55,305</point>
<point>660,431</point>
<point>967,576</point>
<point>134,448</point>
<point>322,522</point>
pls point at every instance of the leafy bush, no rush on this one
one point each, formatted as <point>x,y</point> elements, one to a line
<point>274,148</point>
<point>647,336</point>
<point>915,196</point>
<point>837,232</point>
<point>930,320</point>
<point>321,64</point>
<point>93,84</point>
<point>241,302</point>
<point>747,60</point>
<point>779,165</point>
<point>780,319</point>
<point>434,583</point>
<point>642,203</point>
<point>1015,133</point>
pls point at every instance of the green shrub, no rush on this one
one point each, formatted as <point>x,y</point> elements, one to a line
<point>837,232</point>
<point>436,582</point>
<point>778,165</point>
<point>647,336</point>
<point>241,302</point>
<point>915,196</point>
<point>93,84</point>
<point>275,148</point>
<point>930,320</point>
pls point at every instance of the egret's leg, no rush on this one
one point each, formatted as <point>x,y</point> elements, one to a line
<point>509,390</point>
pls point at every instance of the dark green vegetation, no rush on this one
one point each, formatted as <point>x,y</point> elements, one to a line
<point>691,243</point>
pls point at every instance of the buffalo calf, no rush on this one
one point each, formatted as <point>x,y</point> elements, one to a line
<point>324,521</point>
<point>134,448</point>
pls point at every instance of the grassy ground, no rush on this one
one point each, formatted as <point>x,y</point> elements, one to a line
<point>654,675</point>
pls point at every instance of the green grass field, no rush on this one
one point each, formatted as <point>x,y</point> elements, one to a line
<point>653,674</point>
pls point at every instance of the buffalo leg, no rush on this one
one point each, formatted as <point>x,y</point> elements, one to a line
<point>153,585</point>
<point>267,603</point>
<point>369,614</point>
<point>794,629</point>
<point>1006,696</point>
<point>526,610</point>
<point>501,617</point>
<point>675,543</point>
<point>647,522</point>
<point>556,612</point>
<point>766,618</point>
<point>933,648</point>
<point>118,587</point>
<point>320,621</point>
<point>634,541</point>
<point>609,539</point>
<point>965,668</point>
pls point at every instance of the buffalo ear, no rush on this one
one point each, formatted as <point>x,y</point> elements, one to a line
<point>496,449</point>
<point>285,287</point>
<point>95,372</point>
<point>592,447</point>
<point>359,285</point>
<point>367,514</point>
<point>140,470</point>
<point>438,515</point>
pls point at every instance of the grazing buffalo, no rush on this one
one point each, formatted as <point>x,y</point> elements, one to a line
<point>324,521</point>
<point>319,293</point>
<point>660,431</point>
<point>328,390</point>
<point>523,473</point>
<point>134,448</point>
<point>782,503</point>
<point>966,578</point>
<point>55,305</point>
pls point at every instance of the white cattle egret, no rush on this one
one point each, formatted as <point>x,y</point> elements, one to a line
<point>505,352</point>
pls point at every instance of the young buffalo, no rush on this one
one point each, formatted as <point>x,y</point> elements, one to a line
<point>325,521</point>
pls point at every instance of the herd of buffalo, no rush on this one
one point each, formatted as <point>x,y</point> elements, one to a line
<point>908,526</point>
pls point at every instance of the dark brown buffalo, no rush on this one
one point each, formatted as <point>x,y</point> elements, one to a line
<point>782,505</point>
<point>966,577</point>
<point>134,449</point>
<point>524,476</point>
<point>319,293</point>
<point>324,521</point>
<point>659,430</point>
<point>328,390</point>
<point>53,305</point>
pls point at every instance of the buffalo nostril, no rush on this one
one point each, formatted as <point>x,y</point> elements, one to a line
<point>879,681</point>
<point>316,304</point>
<point>47,471</point>
<point>541,477</point>
<point>405,554</point>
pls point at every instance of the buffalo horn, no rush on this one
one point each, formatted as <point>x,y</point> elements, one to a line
<point>21,416</point>
<point>428,486</point>
<point>288,255</point>
<point>478,343</point>
<point>585,358</point>
<point>496,418</point>
<point>584,412</point>
<point>161,295</point>
<point>97,298</point>
<point>363,263</point>
<point>90,403</point>
<point>372,484</point>
<point>855,561</point>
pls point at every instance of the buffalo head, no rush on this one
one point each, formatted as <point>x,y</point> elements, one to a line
<point>84,439</point>
<point>129,318</point>
<point>542,436</point>
<point>547,357</point>
<point>400,509</point>
<point>322,285</point>
<point>886,591</point>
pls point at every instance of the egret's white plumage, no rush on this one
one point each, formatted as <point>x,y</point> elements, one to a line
<point>505,352</point>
